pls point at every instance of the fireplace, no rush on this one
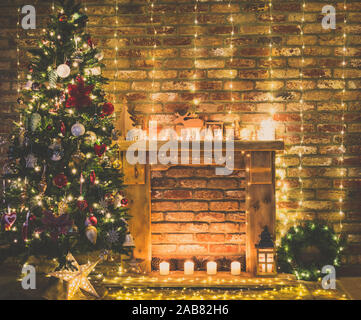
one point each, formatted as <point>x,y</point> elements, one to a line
<point>184,212</point>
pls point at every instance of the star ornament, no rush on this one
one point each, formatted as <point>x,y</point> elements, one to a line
<point>77,279</point>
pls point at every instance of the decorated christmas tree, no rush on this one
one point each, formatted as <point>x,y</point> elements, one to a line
<point>62,189</point>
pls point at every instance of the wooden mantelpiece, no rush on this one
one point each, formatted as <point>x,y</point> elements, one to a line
<point>257,158</point>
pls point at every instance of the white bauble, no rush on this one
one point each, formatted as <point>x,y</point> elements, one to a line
<point>96,71</point>
<point>99,56</point>
<point>77,129</point>
<point>63,71</point>
<point>91,138</point>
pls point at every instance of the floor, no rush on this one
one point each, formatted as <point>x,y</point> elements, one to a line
<point>179,287</point>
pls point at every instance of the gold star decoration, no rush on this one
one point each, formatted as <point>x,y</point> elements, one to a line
<point>77,279</point>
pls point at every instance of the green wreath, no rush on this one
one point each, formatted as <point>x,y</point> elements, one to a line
<point>306,248</point>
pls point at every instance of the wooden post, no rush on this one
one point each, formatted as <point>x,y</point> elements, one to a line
<point>260,206</point>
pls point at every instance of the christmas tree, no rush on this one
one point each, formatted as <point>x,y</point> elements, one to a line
<point>62,189</point>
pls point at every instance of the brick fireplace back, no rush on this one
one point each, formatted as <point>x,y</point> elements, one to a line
<point>196,213</point>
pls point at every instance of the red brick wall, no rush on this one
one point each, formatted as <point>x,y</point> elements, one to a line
<point>196,213</point>
<point>174,64</point>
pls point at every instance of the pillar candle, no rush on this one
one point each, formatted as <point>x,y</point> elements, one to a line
<point>235,268</point>
<point>164,268</point>
<point>212,268</point>
<point>188,268</point>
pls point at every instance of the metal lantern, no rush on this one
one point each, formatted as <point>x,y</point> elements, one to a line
<point>266,254</point>
<point>129,242</point>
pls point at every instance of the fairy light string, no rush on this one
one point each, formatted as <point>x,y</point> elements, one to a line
<point>116,53</point>
<point>301,104</point>
<point>194,86</point>
<point>343,110</point>
<point>231,20</point>
<point>154,63</point>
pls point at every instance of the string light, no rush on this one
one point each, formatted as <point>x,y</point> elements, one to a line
<point>194,86</point>
<point>18,76</point>
<point>270,58</point>
<point>116,53</point>
<point>301,103</point>
<point>343,109</point>
<point>154,48</point>
<point>231,19</point>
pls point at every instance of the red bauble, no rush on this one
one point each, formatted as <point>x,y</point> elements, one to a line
<point>82,205</point>
<point>93,220</point>
<point>62,128</point>
<point>108,109</point>
<point>124,202</point>
<point>79,94</point>
<point>92,177</point>
<point>61,180</point>
<point>100,149</point>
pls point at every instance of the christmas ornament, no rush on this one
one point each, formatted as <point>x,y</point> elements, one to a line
<point>62,128</point>
<point>78,157</point>
<point>42,184</point>
<point>53,78</point>
<point>93,220</point>
<point>118,200</point>
<point>77,279</point>
<point>63,18</point>
<point>56,225</point>
<point>9,220</point>
<point>91,233</point>
<point>30,161</point>
<point>91,138</point>
<point>60,180</point>
<point>35,86</point>
<point>96,71</point>
<point>79,95</point>
<point>90,42</point>
<point>92,177</point>
<point>20,101</point>
<point>63,71</point>
<point>8,169</point>
<point>77,130</point>
<point>77,56</point>
<point>35,121</point>
<point>117,164</point>
<point>49,127</point>
<point>100,149</point>
<point>109,198</point>
<point>56,150</point>
<point>28,85</point>
<point>113,236</point>
<point>129,241</point>
<point>99,56</point>
<point>82,205</point>
<point>25,228</point>
<point>124,202</point>
<point>62,208</point>
<point>108,108</point>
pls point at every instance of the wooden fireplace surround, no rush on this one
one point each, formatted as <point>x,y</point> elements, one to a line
<point>256,157</point>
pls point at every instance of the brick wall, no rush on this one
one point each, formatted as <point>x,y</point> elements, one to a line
<point>196,213</point>
<point>175,66</point>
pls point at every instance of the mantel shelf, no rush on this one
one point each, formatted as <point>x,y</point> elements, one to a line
<point>238,145</point>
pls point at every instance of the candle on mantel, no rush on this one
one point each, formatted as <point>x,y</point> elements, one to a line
<point>235,268</point>
<point>164,268</point>
<point>211,268</point>
<point>188,268</point>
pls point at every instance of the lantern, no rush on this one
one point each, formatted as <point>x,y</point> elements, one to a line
<point>266,262</point>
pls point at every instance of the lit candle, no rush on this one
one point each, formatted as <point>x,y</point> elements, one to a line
<point>211,268</point>
<point>235,268</point>
<point>267,131</point>
<point>164,268</point>
<point>188,268</point>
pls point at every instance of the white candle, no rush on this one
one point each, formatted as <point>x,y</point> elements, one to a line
<point>212,268</point>
<point>188,268</point>
<point>164,268</point>
<point>235,268</point>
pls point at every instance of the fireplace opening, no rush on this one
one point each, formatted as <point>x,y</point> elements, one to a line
<point>198,216</point>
